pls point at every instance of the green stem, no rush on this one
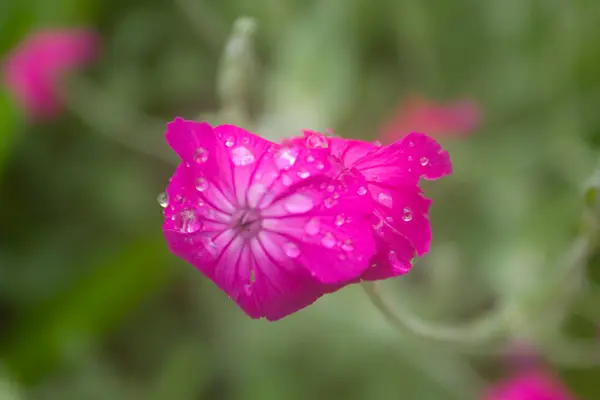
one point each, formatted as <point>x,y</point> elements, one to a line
<point>108,116</point>
<point>480,333</point>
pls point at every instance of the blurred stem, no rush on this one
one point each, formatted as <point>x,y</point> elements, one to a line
<point>480,333</point>
<point>204,20</point>
<point>107,115</point>
<point>238,72</point>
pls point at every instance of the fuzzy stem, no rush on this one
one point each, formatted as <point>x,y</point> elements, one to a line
<point>482,332</point>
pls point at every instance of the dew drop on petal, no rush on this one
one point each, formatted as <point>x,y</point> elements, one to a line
<point>317,141</point>
<point>328,240</point>
<point>241,156</point>
<point>187,221</point>
<point>291,250</point>
<point>377,143</point>
<point>229,142</point>
<point>163,199</point>
<point>330,202</point>
<point>303,174</point>
<point>385,199</point>
<point>347,245</point>
<point>342,257</point>
<point>313,226</point>
<point>285,158</point>
<point>200,155</point>
<point>310,159</point>
<point>298,203</point>
<point>339,220</point>
<point>424,161</point>
<point>330,188</point>
<point>201,184</point>
<point>320,166</point>
<point>396,264</point>
<point>362,191</point>
<point>407,216</point>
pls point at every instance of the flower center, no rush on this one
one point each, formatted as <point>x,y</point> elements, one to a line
<point>246,222</point>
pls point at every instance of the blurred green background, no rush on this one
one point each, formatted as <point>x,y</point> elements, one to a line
<point>93,306</point>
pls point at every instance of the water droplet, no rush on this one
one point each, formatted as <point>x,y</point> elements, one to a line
<point>320,166</point>
<point>339,220</point>
<point>291,250</point>
<point>200,155</point>
<point>330,188</point>
<point>411,143</point>
<point>178,198</point>
<point>298,203</point>
<point>229,142</point>
<point>385,199</point>
<point>330,202</point>
<point>347,246</point>
<point>286,158</point>
<point>310,159</point>
<point>163,199</point>
<point>407,216</point>
<point>342,257</point>
<point>410,158</point>
<point>396,263</point>
<point>200,203</point>
<point>187,221</point>
<point>241,156</point>
<point>424,161</point>
<point>286,180</point>
<point>336,195</point>
<point>313,226</point>
<point>362,191</point>
<point>328,240</point>
<point>317,141</point>
<point>377,143</point>
<point>303,174</point>
<point>201,184</point>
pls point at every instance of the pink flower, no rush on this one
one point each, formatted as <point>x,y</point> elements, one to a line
<point>391,174</point>
<point>33,69</point>
<point>275,226</point>
<point>457,119</point>
<point>533,385</point>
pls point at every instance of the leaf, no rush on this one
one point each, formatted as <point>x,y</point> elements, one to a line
<point>95,304</point>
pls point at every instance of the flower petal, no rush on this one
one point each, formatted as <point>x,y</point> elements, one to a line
<point>326,228</point>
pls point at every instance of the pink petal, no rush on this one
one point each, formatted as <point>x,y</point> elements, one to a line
<point>332,238</point>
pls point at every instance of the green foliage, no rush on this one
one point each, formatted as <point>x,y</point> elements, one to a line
<point>93,306</point>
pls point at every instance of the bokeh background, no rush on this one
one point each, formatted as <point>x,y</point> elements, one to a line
<point>93,306</point>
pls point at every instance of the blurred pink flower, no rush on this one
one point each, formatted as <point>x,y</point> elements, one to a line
<point>418,114</point>
<point>276,226</point>
<point>531,385</point>
<point>33,69</point>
